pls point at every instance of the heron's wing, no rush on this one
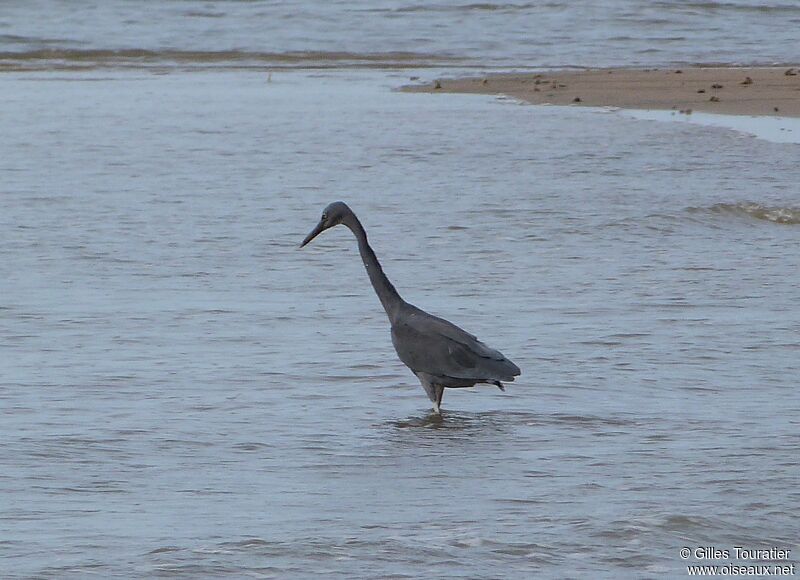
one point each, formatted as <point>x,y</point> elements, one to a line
<point>433,345</point>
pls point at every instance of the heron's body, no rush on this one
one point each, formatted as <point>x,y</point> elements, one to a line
<point>441,354</point>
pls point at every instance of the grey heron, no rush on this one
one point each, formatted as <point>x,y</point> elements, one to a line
<point>441,354</point>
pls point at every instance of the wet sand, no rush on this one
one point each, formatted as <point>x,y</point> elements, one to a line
<point>726,90</point>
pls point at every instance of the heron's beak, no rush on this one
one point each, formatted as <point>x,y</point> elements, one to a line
<point>314,233</point>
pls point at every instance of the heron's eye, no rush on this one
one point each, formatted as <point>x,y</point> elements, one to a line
<point>324,216</point>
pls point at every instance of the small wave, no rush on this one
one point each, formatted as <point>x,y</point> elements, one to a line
<point>463,8</point>
<point>712,6</point>
<point>778,215</point>
<point>165,550</point>
<point>81,59</point>
<point>251,446</point>
<point>475,6</point>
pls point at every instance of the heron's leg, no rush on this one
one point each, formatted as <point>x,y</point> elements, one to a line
<point>439,395</point>
<point>433,391</point>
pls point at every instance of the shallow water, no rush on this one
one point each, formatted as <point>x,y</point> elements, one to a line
<point>519,34</point>
<point>775,129</point>
<point>186,393</point>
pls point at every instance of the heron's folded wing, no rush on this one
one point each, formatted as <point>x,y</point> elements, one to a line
<point>430,344</point>
<point>457,334</point>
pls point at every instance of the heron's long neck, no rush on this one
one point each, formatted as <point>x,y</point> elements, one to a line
<point>386,292</point>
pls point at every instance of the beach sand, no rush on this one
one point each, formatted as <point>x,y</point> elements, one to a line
<point>725,90</point>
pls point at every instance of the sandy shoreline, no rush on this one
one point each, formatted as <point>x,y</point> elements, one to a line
<point>726,90</point>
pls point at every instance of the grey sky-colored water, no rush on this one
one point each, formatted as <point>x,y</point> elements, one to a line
<point>488,34</point>
<point>185,393</point>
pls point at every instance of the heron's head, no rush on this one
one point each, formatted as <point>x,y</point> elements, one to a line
<point>331,216</point>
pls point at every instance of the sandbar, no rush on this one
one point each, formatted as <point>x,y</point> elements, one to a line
<point>729,90</point>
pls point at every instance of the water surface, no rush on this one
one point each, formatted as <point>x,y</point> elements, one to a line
<point>185,393</point>
<point>518,34</point>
